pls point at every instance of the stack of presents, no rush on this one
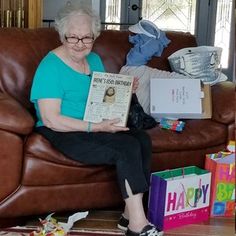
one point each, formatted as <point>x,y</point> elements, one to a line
<point>188,195</point>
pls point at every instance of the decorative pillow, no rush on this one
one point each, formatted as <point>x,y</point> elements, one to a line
<point>201,62</point>
<point>145,73</point>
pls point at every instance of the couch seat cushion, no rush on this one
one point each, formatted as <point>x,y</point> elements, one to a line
<point>44,165</point>
<point>197,134</point>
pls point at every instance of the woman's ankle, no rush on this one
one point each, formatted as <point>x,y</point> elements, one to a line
<point>126,216</point>
<point>137,226</point>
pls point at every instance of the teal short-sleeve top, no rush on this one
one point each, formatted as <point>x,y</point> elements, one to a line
<point>55,79</point>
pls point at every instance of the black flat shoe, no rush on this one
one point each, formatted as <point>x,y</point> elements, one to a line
<point>148,230</point>
<point>123,223</point>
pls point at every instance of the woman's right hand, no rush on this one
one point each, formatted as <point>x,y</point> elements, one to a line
<point>110,126</point>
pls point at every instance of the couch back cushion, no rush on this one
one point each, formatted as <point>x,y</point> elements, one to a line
<point>113,46</point>
<point>20,53</point>
<point>22,49</point>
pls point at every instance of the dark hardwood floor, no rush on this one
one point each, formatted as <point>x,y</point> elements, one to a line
<point>106,221</point>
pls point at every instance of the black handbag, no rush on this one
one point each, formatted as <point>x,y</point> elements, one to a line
<point>137,118</point>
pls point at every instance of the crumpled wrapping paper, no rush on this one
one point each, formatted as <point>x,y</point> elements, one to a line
<point>50,226</point>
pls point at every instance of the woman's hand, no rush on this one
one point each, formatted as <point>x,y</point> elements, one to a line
<point>109,126</point>
<point>135,84</point>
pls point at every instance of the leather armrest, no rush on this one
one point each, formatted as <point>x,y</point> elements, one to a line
<point>223,102</point>
<point>14,117</point>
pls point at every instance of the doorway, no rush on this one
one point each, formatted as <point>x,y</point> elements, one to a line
<point>209,20</point>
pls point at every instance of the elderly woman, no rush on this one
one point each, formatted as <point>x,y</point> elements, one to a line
<point>59,93</point>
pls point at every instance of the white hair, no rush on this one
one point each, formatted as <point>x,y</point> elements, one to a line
<point>68,12</point>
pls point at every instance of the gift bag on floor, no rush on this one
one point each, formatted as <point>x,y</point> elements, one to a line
<point>222,166</point>
<point>178,197</point>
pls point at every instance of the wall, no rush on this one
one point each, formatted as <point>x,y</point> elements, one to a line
<point>51,7</point>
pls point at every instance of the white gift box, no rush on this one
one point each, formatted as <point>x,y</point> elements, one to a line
<point>180,98</point>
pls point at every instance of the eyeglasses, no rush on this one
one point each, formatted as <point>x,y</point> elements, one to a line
<point>75,40</point>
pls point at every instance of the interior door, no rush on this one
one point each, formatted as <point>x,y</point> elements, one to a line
<point>119,14</point>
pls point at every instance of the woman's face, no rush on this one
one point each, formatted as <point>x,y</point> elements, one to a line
<point>79,27</point>
<point>110,91</point>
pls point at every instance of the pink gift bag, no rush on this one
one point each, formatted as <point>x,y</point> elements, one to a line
<point>222,166</point>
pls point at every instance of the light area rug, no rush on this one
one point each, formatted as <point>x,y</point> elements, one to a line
<point>82,233</point>
<point>96,223</point>
<point>23,231</point>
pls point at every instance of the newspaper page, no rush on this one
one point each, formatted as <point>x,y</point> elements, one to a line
<point>109,97</point>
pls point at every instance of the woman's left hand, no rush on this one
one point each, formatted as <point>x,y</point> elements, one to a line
<point>135,84</point>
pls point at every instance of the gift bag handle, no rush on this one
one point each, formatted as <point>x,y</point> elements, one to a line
<point>199,186</point>
<point>198,194</point>
<point>171,175</point>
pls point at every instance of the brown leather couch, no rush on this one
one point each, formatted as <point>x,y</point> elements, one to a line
<point>36,179</point>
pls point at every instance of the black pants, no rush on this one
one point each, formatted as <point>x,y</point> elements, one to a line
<point>129,151</point>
